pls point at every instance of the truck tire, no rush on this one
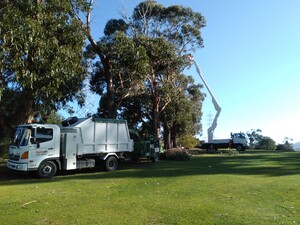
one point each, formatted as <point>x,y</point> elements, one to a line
<point>111,163</point>
<point>47,169</point>
<point>240,148</point>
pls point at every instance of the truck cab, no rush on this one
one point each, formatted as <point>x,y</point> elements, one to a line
<point>242,139</point>
<point>32,145</point>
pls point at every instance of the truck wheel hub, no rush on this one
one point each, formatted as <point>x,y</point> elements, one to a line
<point>47,169</point>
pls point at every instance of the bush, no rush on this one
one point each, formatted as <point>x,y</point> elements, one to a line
<point>176,154</point>
<point>284,147</point>
<point>187,141</point>
<point>4,145</point>
<point>267,143</point>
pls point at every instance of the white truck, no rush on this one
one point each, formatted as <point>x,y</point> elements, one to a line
<point>75,144</point>
<point>239,141</point>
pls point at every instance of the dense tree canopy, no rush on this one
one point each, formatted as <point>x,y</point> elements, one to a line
<point>267,143</point>
<point>260,141</point>
<point>41,65</point>
<point>159,39</point>
<point>137,66</point>
<point>120,73</point>
<point>177,24</point>
<point>176,29</point>
<point>182,116</point>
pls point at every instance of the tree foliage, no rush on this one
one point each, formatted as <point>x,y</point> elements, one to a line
<point>260,141</point>
<point>177,29</point>
<point>144,56</point>
<point>267,143</point>
<point>40,58</point>
<point>53,118</point>
<point>286,146</point>
<point>188,141</point>
<point>137,65</point>
<point>120,73</point>
<point>179,25</point>
<point>182,116</point>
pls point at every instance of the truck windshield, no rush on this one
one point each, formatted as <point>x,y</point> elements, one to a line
<point>22,136</point>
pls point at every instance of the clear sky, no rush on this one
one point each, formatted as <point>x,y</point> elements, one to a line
<point>250,60</point>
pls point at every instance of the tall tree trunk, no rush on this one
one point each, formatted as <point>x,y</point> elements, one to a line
<point>27,108</point>
<point>111,106</point>
<point>155,110</point>
<point>111,109</point>
<point>167,138</point>
<point>173,138</point>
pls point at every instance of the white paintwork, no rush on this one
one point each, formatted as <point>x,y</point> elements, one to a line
<point>87,137</point>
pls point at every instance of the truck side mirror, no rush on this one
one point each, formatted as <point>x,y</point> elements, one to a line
<point>33,141</point>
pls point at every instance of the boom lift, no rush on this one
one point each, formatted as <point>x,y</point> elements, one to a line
<point>239,141</point>
<point>211,129</point>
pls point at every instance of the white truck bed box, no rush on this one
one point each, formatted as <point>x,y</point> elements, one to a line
<point>98,135</point>
<point>219,141</point>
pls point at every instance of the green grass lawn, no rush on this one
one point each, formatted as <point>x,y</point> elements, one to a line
<point>249,188</point>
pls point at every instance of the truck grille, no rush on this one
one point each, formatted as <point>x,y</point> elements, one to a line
<point>14,157</point>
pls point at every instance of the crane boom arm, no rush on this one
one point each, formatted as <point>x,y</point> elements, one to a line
<point>211,129</point>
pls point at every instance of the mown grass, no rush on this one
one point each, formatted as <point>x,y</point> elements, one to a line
<point>248,188</point>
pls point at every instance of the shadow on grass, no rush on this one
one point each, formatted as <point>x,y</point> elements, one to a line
<point>248,163</point>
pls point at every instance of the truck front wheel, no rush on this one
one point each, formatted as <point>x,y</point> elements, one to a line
<point>47,169</point>
<point>111,163</point>
<point>240,148</point>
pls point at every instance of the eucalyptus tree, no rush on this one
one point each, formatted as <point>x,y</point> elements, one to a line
<point>178,31</point>
<point>41,65</point>
<point>155,94</point>
<point>165,34</point>
<point>179,25</point>
<point>165,67</point>
<point>119,65</point>
<point>182,116</point>
<point>120,72</point>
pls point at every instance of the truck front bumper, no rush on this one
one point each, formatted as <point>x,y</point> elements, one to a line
<point>17,166</point>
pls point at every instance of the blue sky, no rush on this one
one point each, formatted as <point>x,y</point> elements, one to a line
<point>250,60</point>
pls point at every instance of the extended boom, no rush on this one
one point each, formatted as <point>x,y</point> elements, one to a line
<point>211,129</point>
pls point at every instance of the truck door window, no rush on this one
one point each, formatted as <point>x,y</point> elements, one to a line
<point>44,134</point>
<point>242,136</point>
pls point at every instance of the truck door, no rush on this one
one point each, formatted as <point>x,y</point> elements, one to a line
<point>42,147</point>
